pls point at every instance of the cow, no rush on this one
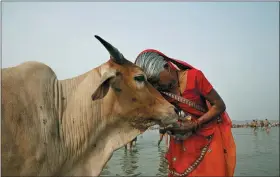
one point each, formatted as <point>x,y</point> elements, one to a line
<point>71,127</point>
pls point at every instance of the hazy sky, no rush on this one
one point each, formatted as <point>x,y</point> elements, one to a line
<point>236,45</point>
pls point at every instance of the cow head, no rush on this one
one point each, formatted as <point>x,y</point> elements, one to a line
<point>132,98</point>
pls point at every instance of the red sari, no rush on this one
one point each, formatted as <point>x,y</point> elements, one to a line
<point>220,157</point>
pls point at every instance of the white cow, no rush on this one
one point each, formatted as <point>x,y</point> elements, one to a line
<point>54,127</point>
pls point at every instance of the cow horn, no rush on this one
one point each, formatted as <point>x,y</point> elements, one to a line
<point>116,56</point>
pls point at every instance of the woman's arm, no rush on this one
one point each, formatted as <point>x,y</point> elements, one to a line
<point>205,89</point>
<point>210,94</point>
<point>218,107</point>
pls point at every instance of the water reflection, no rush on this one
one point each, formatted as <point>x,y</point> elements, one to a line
<point>106,171</point>
<point>129,161</point>
<point>257,155</point>
<point>162,168</point>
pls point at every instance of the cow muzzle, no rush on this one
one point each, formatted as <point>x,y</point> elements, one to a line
<point>172,117</point>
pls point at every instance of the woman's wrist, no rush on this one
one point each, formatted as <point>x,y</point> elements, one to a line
<point>204,119</point>
<point>198,124</point>
<point>199,121</point>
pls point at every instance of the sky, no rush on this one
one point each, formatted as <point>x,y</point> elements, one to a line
<point>235,44</point>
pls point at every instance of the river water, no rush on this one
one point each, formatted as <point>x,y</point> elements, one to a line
<point>257,155</point>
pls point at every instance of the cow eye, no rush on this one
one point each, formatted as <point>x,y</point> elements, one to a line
<point>140,78</point>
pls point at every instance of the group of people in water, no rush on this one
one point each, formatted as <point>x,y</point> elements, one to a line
<point>255,124</point>
<point>263,124</point>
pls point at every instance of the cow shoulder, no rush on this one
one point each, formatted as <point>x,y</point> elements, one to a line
<point>27,116</point>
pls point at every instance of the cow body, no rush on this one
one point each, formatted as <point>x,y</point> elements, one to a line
<point>71,127</point>
<point>31,143</point>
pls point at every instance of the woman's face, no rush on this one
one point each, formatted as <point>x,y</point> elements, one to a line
<point>168,79</point>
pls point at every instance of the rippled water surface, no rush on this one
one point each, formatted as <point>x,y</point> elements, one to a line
<point>257,155</point>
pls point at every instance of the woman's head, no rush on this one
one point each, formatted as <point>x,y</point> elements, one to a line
<point>157,69</point>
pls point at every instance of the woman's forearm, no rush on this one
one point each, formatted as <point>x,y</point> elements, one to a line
<point>213,112</point>
<point>218,107</point>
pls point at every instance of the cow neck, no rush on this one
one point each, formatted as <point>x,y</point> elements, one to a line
<point>86,128</point>
<point>72,117</point>
<point>69,86</point>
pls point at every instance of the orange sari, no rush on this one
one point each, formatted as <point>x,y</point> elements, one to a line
<point>211,151</point>
<point>215,139</point>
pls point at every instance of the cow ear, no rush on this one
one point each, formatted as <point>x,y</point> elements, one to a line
<point>104,85</point>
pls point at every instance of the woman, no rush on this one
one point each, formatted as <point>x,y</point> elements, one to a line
<point>209,149</point>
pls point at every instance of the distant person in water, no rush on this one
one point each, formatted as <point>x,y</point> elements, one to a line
<point>262,124</point>
<point>258,123</point>
<point>254,125</point>
<point>267,125</point>
<point>201,145</point>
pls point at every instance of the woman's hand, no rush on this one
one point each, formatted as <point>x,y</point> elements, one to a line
<point>180,137</point>
<point>183,127</point>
